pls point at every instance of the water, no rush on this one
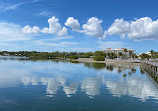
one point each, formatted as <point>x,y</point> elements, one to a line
<point>64,86</point>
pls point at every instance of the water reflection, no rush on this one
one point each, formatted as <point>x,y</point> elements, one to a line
<point>134,86</point>
<point>70,90</point>
<point>91,86</point>
<point>29,80</point>
<point>88,78</point>
<point>95,65</point>
<point>137,87</point>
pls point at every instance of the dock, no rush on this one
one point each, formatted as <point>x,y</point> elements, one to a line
<point>151,67</point>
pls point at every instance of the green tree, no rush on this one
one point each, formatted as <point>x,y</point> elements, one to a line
<point>152,54</point>
<point>87,55</point>
<point>101,53</point>
<point>144,56</point>
<point>130,53</point>
<point>99,58</point>
<point>120,54</point>
<point>112,55</point>
<point>125,50</point>
<point>73,57</point>
<point>134,55</point>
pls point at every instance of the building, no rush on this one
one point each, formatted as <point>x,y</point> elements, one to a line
<point>117,51</point>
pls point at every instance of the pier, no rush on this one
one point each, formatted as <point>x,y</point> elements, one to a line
<point>151,67</point>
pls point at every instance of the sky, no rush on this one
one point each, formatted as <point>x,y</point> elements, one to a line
<point>78,25</point>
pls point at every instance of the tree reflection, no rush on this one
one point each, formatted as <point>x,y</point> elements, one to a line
<point>142,71</point>
<point>109,67</point>
<point>95,65</point>
<point>133,70</point>
<point>119,70</point>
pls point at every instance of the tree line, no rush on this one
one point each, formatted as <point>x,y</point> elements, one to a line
<point>97,55</point>
<point>151,55</point>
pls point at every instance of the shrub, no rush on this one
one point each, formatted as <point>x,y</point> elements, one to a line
<point>73,57</point>
<point>124,75</point>
<point>129,73</point>
<point>76,62</point>
<point>99,53</point>
<point>99,58</point>
<point>112,55</point>
<point>87,55</point>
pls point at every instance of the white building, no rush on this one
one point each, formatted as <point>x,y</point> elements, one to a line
<point>118,50</point>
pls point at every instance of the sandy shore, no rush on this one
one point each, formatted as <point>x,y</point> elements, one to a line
<point>126,62</point>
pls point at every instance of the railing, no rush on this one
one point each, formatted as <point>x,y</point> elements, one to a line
<point>154,63</point>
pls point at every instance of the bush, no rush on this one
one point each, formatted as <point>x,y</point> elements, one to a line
<point>99,53</point>
<point>112,55</point>
<point>99,58</point>
<point>87,55</point>
<point>73,57</point>
<point>124,75</point>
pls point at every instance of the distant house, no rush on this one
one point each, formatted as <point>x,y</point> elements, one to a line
<point>118,50</point>
<point>149,53</point>
<point>6,54</point>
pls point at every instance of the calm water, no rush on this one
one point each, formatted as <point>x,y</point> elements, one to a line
<point>64,86</point>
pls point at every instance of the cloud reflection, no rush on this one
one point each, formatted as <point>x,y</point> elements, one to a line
<point>52,84</point>
<point>30,80</point>
<point>136,87</point>
<point>91,86</point>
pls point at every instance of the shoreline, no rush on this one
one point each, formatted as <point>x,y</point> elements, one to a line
<point>124,62</point>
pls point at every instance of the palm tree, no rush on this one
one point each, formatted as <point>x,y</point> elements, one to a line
<point>120,54</point>
<point>152,54</point>
<point>130,53</point>
<point>108,54</point>
<point>125,50</point>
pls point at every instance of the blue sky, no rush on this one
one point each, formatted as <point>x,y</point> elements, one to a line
<point>78,25</point>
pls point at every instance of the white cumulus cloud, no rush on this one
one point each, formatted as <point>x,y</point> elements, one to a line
<point>139,29</point>
<point>144,28</point>
<point>73,23</point>
<point>28,29</point>
<point>93,28</point>
<point>12,32</point>
<point>119,27</point>
<point>54,28</point>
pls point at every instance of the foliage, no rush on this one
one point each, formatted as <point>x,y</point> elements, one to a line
<point>120,54</point>
<point>73,57</point>
<point>119,70</point>
<point>133,70</point>
<point>112,55</point>
<point>99,53</point>
<point>57,54</point>
<point>95,65</point>
<point>144,56</point>
<point>152,53</point>
<point>109,67</point>
<point>99,58</point>
<point>124,75</point>
<point>134,55</point>
<point>130,53</point>
<point>125,50</point>
<point>87,55</point>
<point>129,73</point>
